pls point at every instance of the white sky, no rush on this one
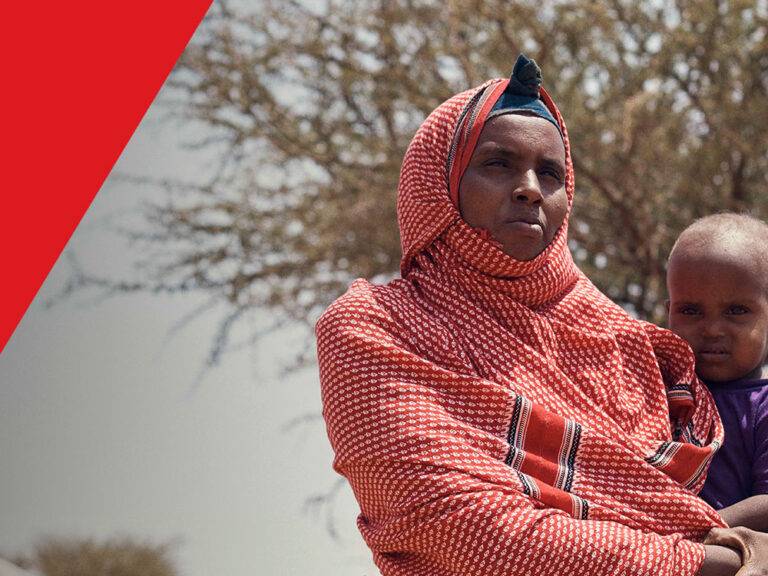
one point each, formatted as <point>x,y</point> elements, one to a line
<point>102,432</point>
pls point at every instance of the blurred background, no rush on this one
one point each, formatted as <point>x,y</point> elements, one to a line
<point>160,408</point>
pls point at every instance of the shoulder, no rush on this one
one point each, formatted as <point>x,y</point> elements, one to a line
<point>755,391</point>
<point>760,384</point>
<point>373,319</point>
<point>377,314</point>
<point>754,401</point>
<point>365,302</point>
<point>760,395</point>
<point>742,399</point>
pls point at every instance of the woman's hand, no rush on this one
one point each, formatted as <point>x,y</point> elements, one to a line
<point>753,547</point>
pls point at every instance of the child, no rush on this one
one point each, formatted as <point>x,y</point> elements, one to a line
<point>717,279</point>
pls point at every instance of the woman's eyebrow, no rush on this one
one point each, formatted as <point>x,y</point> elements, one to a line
<point>554,163</point>
<point>495,148</point>
<point>490,147</point>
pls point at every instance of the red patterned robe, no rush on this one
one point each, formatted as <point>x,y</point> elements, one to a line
<point>498,417</point>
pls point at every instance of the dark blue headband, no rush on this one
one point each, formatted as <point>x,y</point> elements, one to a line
<point>522,93</point>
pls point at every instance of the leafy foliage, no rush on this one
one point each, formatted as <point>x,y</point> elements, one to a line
<point>311,106</point>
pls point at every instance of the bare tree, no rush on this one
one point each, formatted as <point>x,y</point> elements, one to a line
<point>310,109</point>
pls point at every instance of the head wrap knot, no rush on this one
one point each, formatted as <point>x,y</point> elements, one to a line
<point>526,78</point>
<point>522,93</point>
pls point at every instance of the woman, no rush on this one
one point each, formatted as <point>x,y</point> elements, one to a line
<point>493,411</point>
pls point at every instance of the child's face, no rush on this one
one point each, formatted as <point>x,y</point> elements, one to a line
<point>720,308</point>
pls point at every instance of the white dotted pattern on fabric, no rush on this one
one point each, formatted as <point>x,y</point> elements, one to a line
<point>497,417</point>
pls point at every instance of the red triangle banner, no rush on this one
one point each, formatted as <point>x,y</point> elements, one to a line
<point>77,79</point>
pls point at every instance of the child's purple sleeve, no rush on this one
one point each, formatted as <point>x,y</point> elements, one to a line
<point>760,463</point>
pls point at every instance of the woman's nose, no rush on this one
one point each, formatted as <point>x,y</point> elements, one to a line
<point>527,189</point>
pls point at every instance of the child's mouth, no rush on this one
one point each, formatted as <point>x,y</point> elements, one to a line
<point>712,355</point>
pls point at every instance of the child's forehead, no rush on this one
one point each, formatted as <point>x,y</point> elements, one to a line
<point>739,254</point>
<point>715,251</point>
<point>718,242</point>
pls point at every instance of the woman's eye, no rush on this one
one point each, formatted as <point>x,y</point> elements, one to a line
<point>551,173</point>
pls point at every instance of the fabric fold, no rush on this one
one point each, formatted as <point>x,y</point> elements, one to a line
<point>496,416</point>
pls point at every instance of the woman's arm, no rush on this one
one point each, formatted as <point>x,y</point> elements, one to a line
<point>750,548</point>
<point>434,492</point>
<point>751,513</point>
<point>720,561</point>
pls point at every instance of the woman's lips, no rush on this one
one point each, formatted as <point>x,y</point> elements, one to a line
<point>525,227</point>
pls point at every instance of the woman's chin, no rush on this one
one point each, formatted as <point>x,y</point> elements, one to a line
<point>522,241</point>
<point>523,250</point>
<point>522,256</point>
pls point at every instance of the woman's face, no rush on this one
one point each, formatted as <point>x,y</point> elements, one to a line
<point>514,185</point>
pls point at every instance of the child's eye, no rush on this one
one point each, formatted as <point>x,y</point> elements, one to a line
<point>738,310</point>
<point>688,310</point>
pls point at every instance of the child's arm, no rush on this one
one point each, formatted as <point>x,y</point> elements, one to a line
<point>751,513</point>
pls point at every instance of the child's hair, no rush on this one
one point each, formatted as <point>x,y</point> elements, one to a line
<point>726,232</point>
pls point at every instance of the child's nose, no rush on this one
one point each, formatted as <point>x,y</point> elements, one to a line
<point>712,328</point>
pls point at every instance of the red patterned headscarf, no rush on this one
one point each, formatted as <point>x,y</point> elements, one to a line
<point>499,417</point>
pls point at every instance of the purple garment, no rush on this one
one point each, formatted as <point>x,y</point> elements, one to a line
<point>740,468</point>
